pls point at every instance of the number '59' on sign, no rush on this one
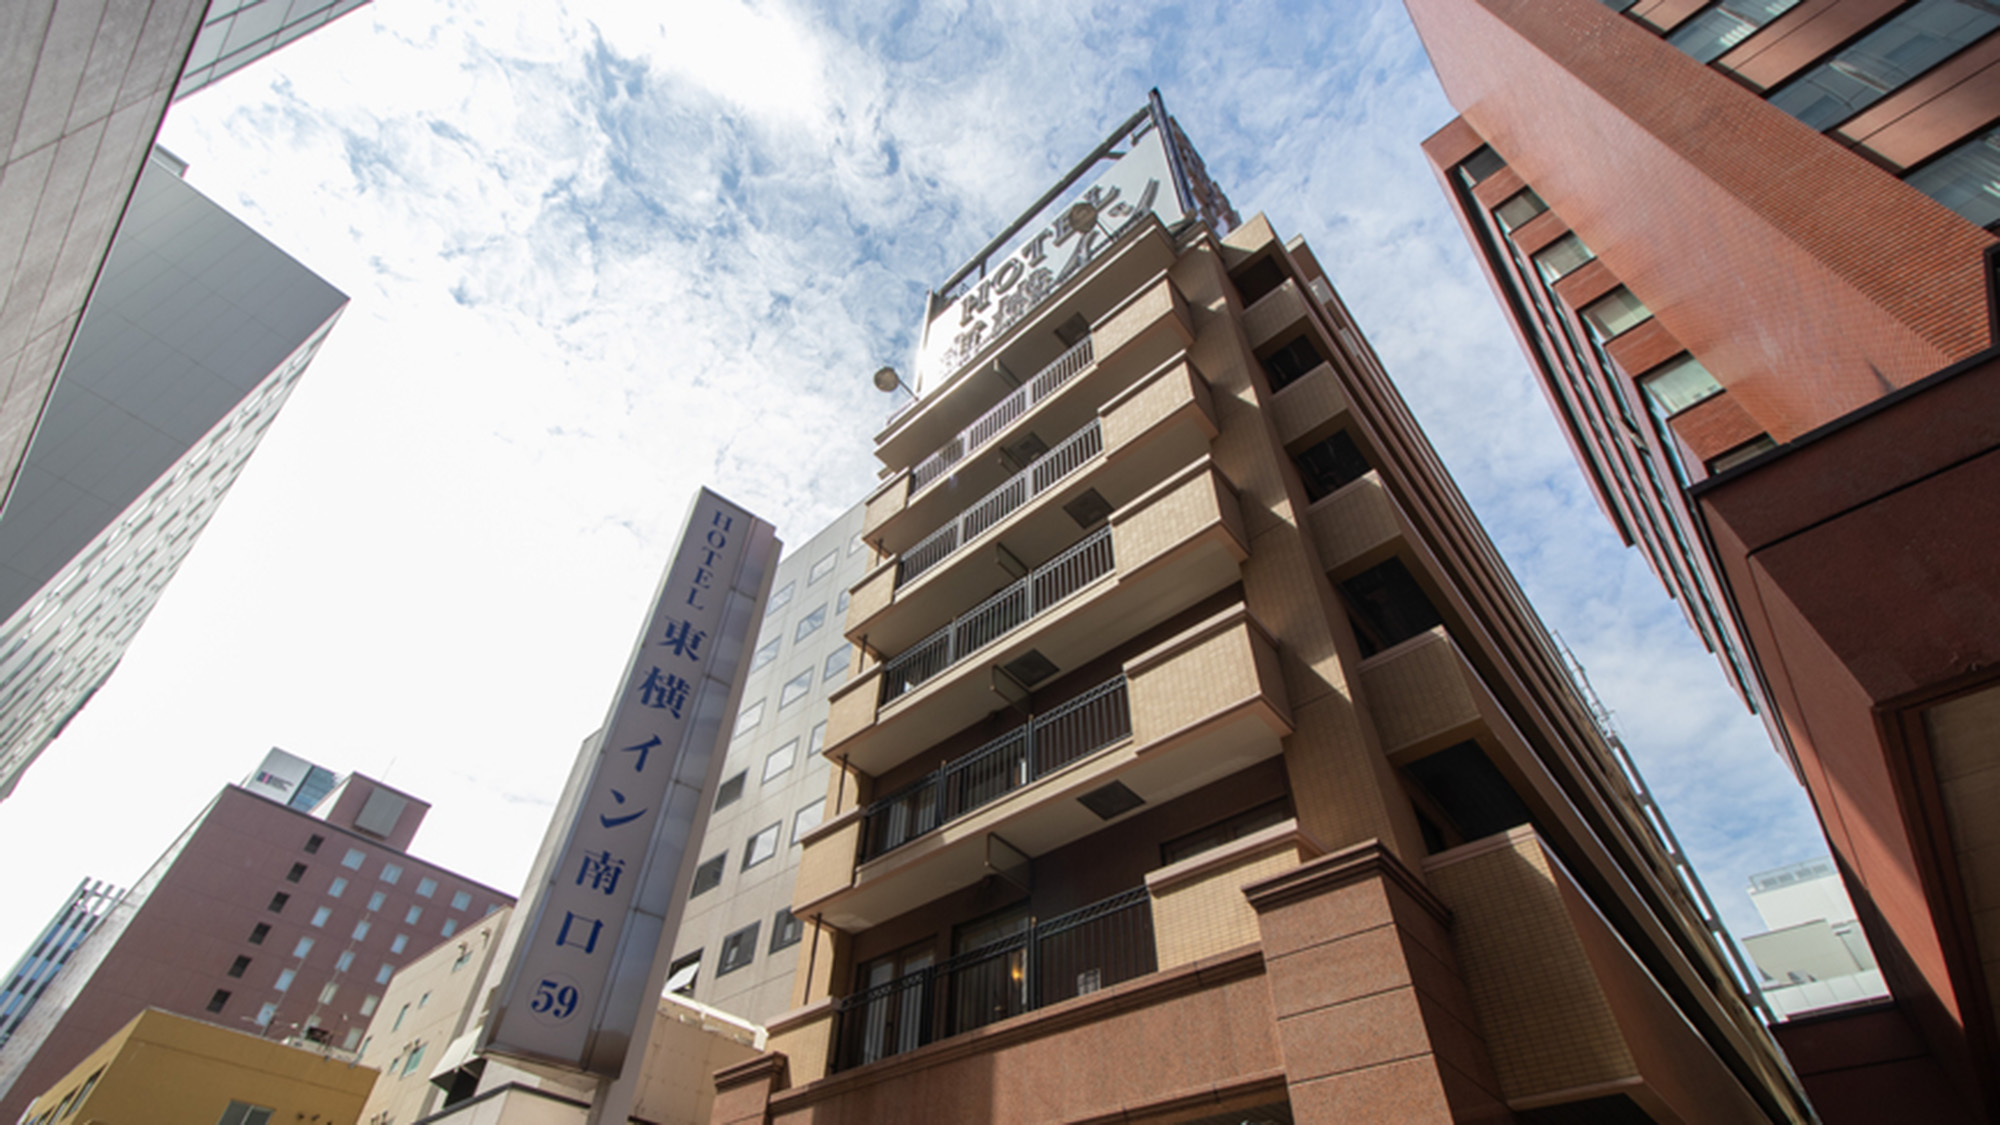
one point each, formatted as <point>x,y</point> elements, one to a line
<point>554,999</point>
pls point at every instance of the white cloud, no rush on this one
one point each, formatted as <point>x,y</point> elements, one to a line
<point>600,257</point>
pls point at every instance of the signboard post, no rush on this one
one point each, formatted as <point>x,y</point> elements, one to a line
<point>584,981</point>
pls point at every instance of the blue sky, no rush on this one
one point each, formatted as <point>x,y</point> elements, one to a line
<point>597,261</point>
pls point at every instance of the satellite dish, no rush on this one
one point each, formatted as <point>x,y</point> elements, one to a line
<point>887,380</point>
<point>1082,216</point>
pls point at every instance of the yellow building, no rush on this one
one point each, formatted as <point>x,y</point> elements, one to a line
<point>164,1069</point>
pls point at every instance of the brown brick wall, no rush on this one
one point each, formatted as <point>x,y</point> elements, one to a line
<point>1806,279</point>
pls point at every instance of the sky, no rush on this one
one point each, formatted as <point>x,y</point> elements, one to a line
<point>599,257</point>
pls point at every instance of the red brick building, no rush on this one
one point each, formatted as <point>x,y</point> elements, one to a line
<point>1743,246</point>
<point>262,916</point>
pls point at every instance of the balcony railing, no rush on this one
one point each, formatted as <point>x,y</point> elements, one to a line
<point>1099,718</point>
<point>1000,614</point>
<point>974,437</point>
<point>997,505</point>
<point>1103,944</point>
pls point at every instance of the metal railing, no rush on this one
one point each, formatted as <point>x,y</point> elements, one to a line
<point>1068,456</point>
<point>988,425</point>
<point>1106,943</point>
<point>1099,718</point>
<point>1047,584</point>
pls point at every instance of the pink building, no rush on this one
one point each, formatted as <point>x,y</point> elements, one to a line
<point>287,905</point>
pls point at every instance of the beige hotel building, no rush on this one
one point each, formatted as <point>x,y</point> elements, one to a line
<point>1203,761</point>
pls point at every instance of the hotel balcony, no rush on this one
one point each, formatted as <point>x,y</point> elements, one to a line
<point>1571,1017</point>
<point>1153,428</point>
<point>1201,706</point>
<point>1164,551</point>
<point>1015,423</point>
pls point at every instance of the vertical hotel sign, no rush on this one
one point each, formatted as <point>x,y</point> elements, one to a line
<point>588,966</point>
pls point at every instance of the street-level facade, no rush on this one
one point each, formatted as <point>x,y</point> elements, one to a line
<point>1746,249</point>
<point>1204,759</point>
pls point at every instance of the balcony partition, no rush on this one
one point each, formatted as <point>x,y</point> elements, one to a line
<point>1106,943</point>
<point>988,425</point>
<point>1100,718</point>
<point>1068,456</point>
<point>1042,588</point>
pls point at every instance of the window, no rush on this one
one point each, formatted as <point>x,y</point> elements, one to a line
<point>313,843</point>
<point>416,1057</point>
<point>836,663</point>
<point>682,973</point>
<point>809,625</point>
<point>423,1000</point>
<point>1614,314</point>
<point>840,603</point>
<point>1966,178</point>
<point>1677,385</point>
<point>1760,444</point>
<point>304,947</point>
<point>1562,257</point>
<point>336,888</point>
<point>344,962</point>
<point>464,956</point>
<point>368,1005</point>
<point>817,740</point>
<point>747,719</point>
<point>216,1001</point>
<point>461,900</point>
<point>731,789</point>
<point>822,568</point>
<point>762,846</point>
<point>1518,209</point>
<point>1233,828</point>
<point>327,994</point>
<point>738,950</point>
<point>426,887</point>
<point>414,913</point>
<point>382,976</point>
<point>1290,363</point>
<point>1708,35</point>
<point>243,1113</point>
<point>808,818</point>
<point>795,689</point>
<point>259,932</point>
<point>708,876</point>
<point>780,600</point>
<point>239,966</point>
<point>285,979</point>
<point>265,1013</point>
<point>1331,465</point>
<point>1916,39</point>
<point>856,543</point>
<point>786,930</point>
<point>450,928</point>
<point>321,915</point>
<point>352,860</point>
<point>1479,165</point>
<point>401,943</point>
<point>1387,606</point>
<point>278,902</point>
<point>767,653</point>
<point>376,900</point>
<point>297,872</point>
<point>390,874</point>
<point>361,930</point>
<point>780,760</point>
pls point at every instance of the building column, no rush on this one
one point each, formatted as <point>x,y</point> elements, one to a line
<point>743,1092</point>
<point>1373,1021</point>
